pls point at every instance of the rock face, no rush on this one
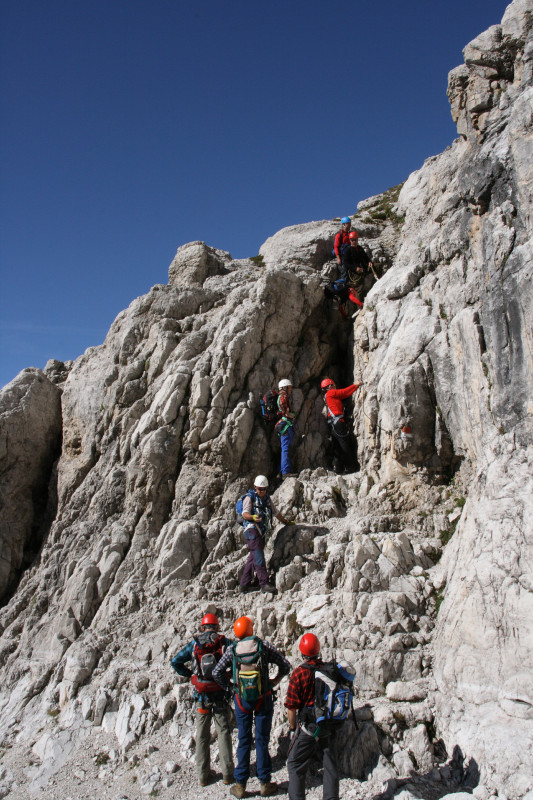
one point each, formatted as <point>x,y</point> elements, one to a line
<point>30,440</point>
<point>161,433</point>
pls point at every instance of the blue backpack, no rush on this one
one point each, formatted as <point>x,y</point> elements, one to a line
<point>333,695</point>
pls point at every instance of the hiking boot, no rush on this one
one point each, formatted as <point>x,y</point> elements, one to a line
<point>238,790</point>
<point>207,781</point>
<point>250,587</point>
<point>290,475</point>
<point>266,789</point>
<point>267,587</point>
<point>227,780</point>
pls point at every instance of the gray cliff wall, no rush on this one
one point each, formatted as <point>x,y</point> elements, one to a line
<point>161,433</point>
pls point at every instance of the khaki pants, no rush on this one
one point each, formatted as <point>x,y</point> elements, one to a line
<point>220,714</point>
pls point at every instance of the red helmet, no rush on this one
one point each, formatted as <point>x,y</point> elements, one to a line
<point>210,619</point>
<point>353,235</point>
<point>243,627</point>
<point>309,645</point>
<point>327,382</point>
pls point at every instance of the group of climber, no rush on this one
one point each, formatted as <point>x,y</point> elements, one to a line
<point>221,669</point>
<point>255,509</point>
<point>355,269</point>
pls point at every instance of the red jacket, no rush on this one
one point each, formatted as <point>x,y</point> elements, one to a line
<point>341,237</point>
<point>334,398</point>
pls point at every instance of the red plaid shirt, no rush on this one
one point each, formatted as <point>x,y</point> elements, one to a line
<point>301,691</point>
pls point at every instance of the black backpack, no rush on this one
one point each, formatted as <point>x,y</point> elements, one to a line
<point>269,405</point>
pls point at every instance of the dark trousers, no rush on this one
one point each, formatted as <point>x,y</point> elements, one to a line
<point>345,446</point>
<point>306,749</point>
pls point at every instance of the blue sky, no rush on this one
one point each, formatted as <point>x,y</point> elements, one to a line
<point>129,127</point>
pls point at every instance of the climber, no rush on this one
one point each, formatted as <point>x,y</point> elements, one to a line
<point>284,426</point>
<point>257,512</point>
<point>211,700</point>
<point>250,658</point>
<point>343,439</point>
<point>341,239</point>
<point>355,268</point>
<point>309,741</point>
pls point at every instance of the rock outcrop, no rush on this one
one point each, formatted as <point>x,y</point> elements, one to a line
<point>416,569</point>
<point>30,442</point>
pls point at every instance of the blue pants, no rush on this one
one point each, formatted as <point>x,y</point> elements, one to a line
<point>263,724</point>
<point>286,441</point>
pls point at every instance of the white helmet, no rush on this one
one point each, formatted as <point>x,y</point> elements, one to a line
<point>283,383</point>
<point>261,482</point>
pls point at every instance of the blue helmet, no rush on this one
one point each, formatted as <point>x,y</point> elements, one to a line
<point>345,219</point>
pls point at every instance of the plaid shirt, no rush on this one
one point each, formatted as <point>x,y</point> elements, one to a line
<point>301,691</point>
<point>273,656</point>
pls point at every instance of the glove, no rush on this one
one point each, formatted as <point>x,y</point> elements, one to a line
<point>256,518</point>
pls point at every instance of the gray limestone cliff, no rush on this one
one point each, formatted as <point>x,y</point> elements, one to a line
<point>418,568</point>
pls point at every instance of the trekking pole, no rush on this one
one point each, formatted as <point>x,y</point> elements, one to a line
<point>374,271</point>
<point>294,736</point>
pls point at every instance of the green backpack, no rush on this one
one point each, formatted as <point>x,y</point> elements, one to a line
<point>250,669</point>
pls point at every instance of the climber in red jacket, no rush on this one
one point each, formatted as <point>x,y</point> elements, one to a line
<point>345,445</point>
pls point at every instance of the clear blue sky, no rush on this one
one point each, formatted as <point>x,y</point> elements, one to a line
<point>129,127</point>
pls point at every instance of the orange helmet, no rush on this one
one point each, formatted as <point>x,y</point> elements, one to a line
<point>309,645</point>
<point>243,627</point>
<point>353,235</point>
<point>210,619</point>
<point>326,383</point>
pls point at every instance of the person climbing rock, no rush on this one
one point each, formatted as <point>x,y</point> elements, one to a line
<point>249,659</point>
<point>284,426</point>
<point>341,239</point>
<point>355,268</point>
<point>311,741</point>
<point>211,700</point>
<point>257,512</point>
<point>343,439</point>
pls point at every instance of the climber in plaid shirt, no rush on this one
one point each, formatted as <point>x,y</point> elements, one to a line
<point>306,747</point>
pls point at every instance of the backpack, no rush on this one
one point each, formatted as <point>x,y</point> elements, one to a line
<point>337,290</point>
<point>206,653</point>
<point>238,506</point>
<point>260,505</point>
<point>269,405</point>
<point>333,694</point>
<point>250,669</point>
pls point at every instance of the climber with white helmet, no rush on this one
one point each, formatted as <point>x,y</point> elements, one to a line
<point>210,698</point>
<point>284,426</point>
<point>345,445</point>
<point>257,512</point>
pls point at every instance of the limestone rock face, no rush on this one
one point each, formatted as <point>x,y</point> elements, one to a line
<point>415,570</point>
<point>30,439</point>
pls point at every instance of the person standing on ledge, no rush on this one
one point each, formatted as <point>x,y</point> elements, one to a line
<point>284,426</point>
<point>341,240</point>
<point>257,512</point>
<point>343,439</point>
